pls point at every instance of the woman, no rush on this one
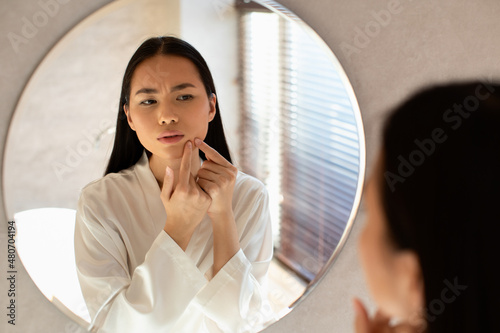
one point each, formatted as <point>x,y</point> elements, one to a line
<point>173,238</point>
<point>429,246</point>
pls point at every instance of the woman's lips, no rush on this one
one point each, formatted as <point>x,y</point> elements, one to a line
<point>170,137</point>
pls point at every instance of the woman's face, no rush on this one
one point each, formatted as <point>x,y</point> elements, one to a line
<point>168,105</point>
<point>393,276</point>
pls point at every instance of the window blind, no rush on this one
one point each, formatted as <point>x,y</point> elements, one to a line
<point>299,136</point>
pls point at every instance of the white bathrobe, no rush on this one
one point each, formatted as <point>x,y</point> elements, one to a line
<point>135,278</point>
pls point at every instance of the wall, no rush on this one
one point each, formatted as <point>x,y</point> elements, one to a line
<point>223,65</point>
<point>408,44</point>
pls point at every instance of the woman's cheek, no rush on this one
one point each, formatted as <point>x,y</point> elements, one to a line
<point>203,129</point>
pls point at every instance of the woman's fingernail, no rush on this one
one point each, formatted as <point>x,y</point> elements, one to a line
<point>189,144</point>
<point>197,141</point>
<point>168,171</point>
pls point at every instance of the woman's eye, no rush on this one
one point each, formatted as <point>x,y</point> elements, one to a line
<point>184,97</point>
<point>148,102</point>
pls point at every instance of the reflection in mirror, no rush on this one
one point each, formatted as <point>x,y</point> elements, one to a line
<point>298,130</point>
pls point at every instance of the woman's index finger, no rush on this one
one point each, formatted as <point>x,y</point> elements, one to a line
<point>210,153</point>
<point>185,170</point>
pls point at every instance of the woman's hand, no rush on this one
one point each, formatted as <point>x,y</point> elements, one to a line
<point>186,204</point>
<point>217,177</point>
<point>380,323</point>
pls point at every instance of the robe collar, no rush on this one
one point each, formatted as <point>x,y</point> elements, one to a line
<point>151,191</point>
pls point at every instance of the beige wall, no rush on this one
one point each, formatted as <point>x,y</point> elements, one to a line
<point>417,43</point>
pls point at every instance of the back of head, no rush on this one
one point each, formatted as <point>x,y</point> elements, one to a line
<point>440,188</point>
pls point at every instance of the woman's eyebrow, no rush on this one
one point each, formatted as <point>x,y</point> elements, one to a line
<point>173,89</point>
<point>182,86</point>
<point>146,91</point>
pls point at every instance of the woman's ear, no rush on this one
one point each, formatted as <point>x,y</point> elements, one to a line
<point>212,101</point>
<point>129,117</point>
<point>411,285</point>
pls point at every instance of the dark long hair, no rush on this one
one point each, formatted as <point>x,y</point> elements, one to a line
<point>127,148</point>
<point>441,195</point>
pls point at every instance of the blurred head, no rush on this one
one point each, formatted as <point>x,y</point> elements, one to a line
<point>151,59</point>
<point>428,245</point>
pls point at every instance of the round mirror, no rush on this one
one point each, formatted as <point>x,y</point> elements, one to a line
<point>289,112</point>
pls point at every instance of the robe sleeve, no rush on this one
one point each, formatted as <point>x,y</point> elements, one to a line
<point>236,297</point>
<point>167,290</point>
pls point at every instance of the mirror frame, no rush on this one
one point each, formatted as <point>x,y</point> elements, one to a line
<point>289,15</point>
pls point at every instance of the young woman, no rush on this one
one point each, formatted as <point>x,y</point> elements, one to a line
<point>173,238</point>
<point>430,243</point>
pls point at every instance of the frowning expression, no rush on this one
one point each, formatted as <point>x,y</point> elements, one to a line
<point>168,105</point>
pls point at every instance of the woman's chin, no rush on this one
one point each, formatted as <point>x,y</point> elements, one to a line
<point>169,153</point>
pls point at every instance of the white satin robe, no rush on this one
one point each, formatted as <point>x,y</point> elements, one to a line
<point>135,278</point>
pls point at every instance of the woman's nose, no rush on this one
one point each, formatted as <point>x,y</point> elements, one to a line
<point>167,115</point>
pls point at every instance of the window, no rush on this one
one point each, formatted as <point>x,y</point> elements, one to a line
<point>299,136</point>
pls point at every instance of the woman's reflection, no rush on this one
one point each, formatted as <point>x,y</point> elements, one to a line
<point>173,238</point>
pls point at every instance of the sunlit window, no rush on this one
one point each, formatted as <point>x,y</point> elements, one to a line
<point>299,136</point>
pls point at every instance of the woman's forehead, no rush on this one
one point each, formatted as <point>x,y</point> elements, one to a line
<point>166,69</point>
